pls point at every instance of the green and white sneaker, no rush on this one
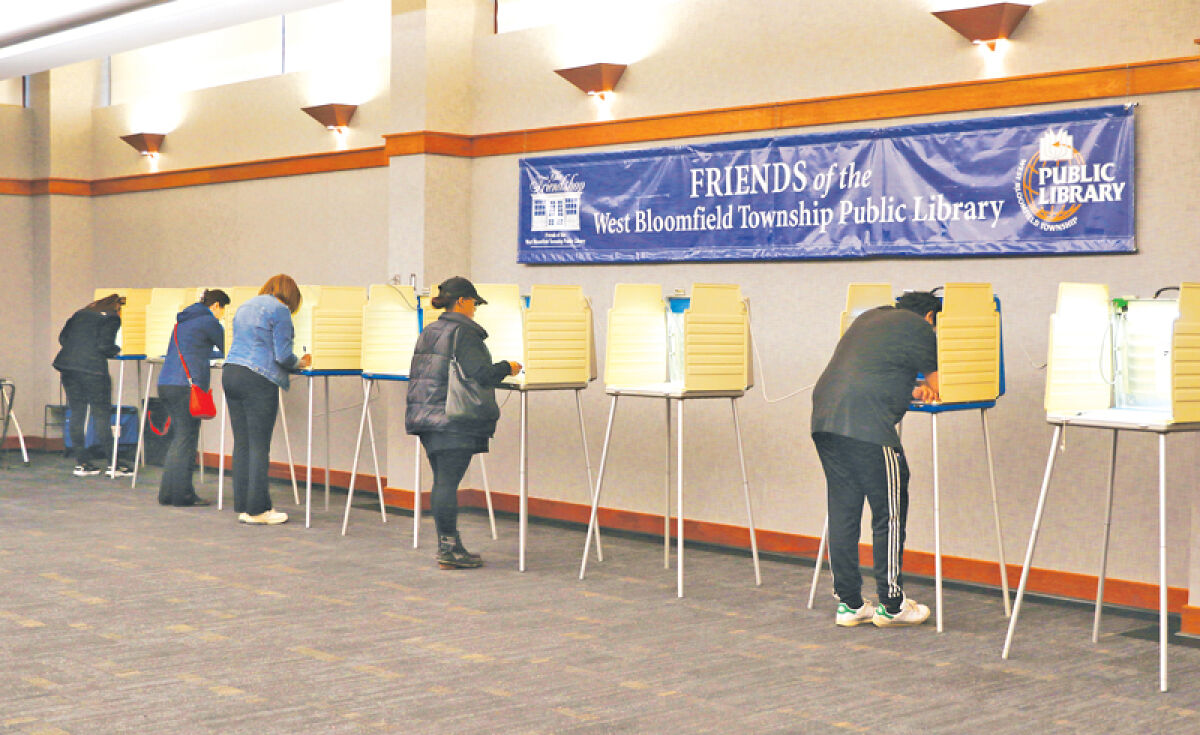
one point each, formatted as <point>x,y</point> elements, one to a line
<point>848,617</point>
<point>911,613</point>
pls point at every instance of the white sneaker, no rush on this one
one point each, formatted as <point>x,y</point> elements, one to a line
<point>848,617</point>
<point>911,613</point>
<point>266,518</point>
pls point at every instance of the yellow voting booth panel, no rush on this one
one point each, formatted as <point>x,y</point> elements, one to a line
<point>1185,356</point>
<point>1079,358</point>
<point>503,319</point>
<point>716,354</point>
<point>636,352</point>
<point>389,329</point>
<point>329,326</point>
<point>165,304</point>
<point>133,317</point>
<point>968,344</point>
<point>559,341</point>
<point>861,297</point>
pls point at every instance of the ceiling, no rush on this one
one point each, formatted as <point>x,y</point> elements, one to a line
<point>44,34</point>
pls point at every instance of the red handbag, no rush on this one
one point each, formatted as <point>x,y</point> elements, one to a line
<point>200,402</point>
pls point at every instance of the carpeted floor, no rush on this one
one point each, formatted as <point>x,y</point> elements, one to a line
<point>121,616</point>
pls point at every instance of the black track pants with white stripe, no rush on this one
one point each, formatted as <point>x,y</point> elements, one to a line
<point>855,470</point>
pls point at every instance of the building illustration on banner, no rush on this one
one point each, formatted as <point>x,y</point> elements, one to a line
<point>557,212</point>
<point>1056,146</point>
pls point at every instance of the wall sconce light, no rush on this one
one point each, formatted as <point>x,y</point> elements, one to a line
<point>145,143</point>
<point>333,116</point>
<point>985,24</point>
<point>595,79</point>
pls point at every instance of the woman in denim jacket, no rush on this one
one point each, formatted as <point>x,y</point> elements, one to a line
<point>257,366</point>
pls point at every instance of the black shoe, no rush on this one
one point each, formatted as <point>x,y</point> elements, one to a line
<point>453,555</point>
<point>193,502</point>
<point>86,469</point>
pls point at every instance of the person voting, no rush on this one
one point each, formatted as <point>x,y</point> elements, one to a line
<point>857,402</point>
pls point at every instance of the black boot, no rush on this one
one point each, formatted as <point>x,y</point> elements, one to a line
<point>452,555</point>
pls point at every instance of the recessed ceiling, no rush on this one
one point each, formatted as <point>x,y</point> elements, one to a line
<point>44,34</point>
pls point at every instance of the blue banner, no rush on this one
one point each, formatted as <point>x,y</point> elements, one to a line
<point>1057,182</point>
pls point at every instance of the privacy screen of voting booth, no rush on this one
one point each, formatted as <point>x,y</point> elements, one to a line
<point>1124,354</point>
<point>165,305</point>
<point>970,360</point>
<point>390,327</point>
<point>329,326</point>
<point>132,337</point>
<point>550,333</point>
<point>683,344</point>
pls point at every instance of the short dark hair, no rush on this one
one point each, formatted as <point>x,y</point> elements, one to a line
<point>919,303</point>
<point>215,296</point>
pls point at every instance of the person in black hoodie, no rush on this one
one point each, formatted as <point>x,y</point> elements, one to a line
<point>199,337</point>
<point>450,443</point>
<point>88,339</point>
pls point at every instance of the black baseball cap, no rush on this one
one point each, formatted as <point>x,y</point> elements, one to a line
<point>459,288</point>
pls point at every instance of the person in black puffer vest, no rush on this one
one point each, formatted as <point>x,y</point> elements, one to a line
<point>88,339</point>
<point>450,443</point>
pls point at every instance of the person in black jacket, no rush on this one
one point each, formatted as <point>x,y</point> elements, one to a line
<point>451,442</point>
<point>196,335</point>
<point>88,339</point>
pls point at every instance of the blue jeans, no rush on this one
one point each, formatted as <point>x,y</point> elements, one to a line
<point>253,403</point>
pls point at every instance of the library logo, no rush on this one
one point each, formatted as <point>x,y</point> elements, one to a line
<point>554,203</point>
<point>1056,182</point>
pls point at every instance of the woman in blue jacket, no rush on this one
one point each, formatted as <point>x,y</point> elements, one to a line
<point>88,339</point>
<point>256,368</point>
<point>198,336</point>
<point>451,442</point>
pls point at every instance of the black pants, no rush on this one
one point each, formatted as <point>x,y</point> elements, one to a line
<point>176,487</point>
<point>449,466</point>
<point>253,403</point>
<point>855,470</point>
<point>84,391</point>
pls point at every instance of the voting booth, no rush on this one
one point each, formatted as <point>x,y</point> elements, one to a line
<point>390,326</point>
<point>132,337</point>
<point>550,333</point>
<point>165,305</point>
<point>329,326</point>
<point>970,377</point>
<point>391,323</point>
<point>686,346</point>
<point>1120,364</point>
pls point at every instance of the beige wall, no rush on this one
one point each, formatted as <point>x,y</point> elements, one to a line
<point>435,216</point>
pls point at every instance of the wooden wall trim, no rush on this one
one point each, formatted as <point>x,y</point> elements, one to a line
<point>1190,620</point>
<point>266,169</point>
<point>1142,595</point>
<point>16,187</point>
<point>1125,80</point>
